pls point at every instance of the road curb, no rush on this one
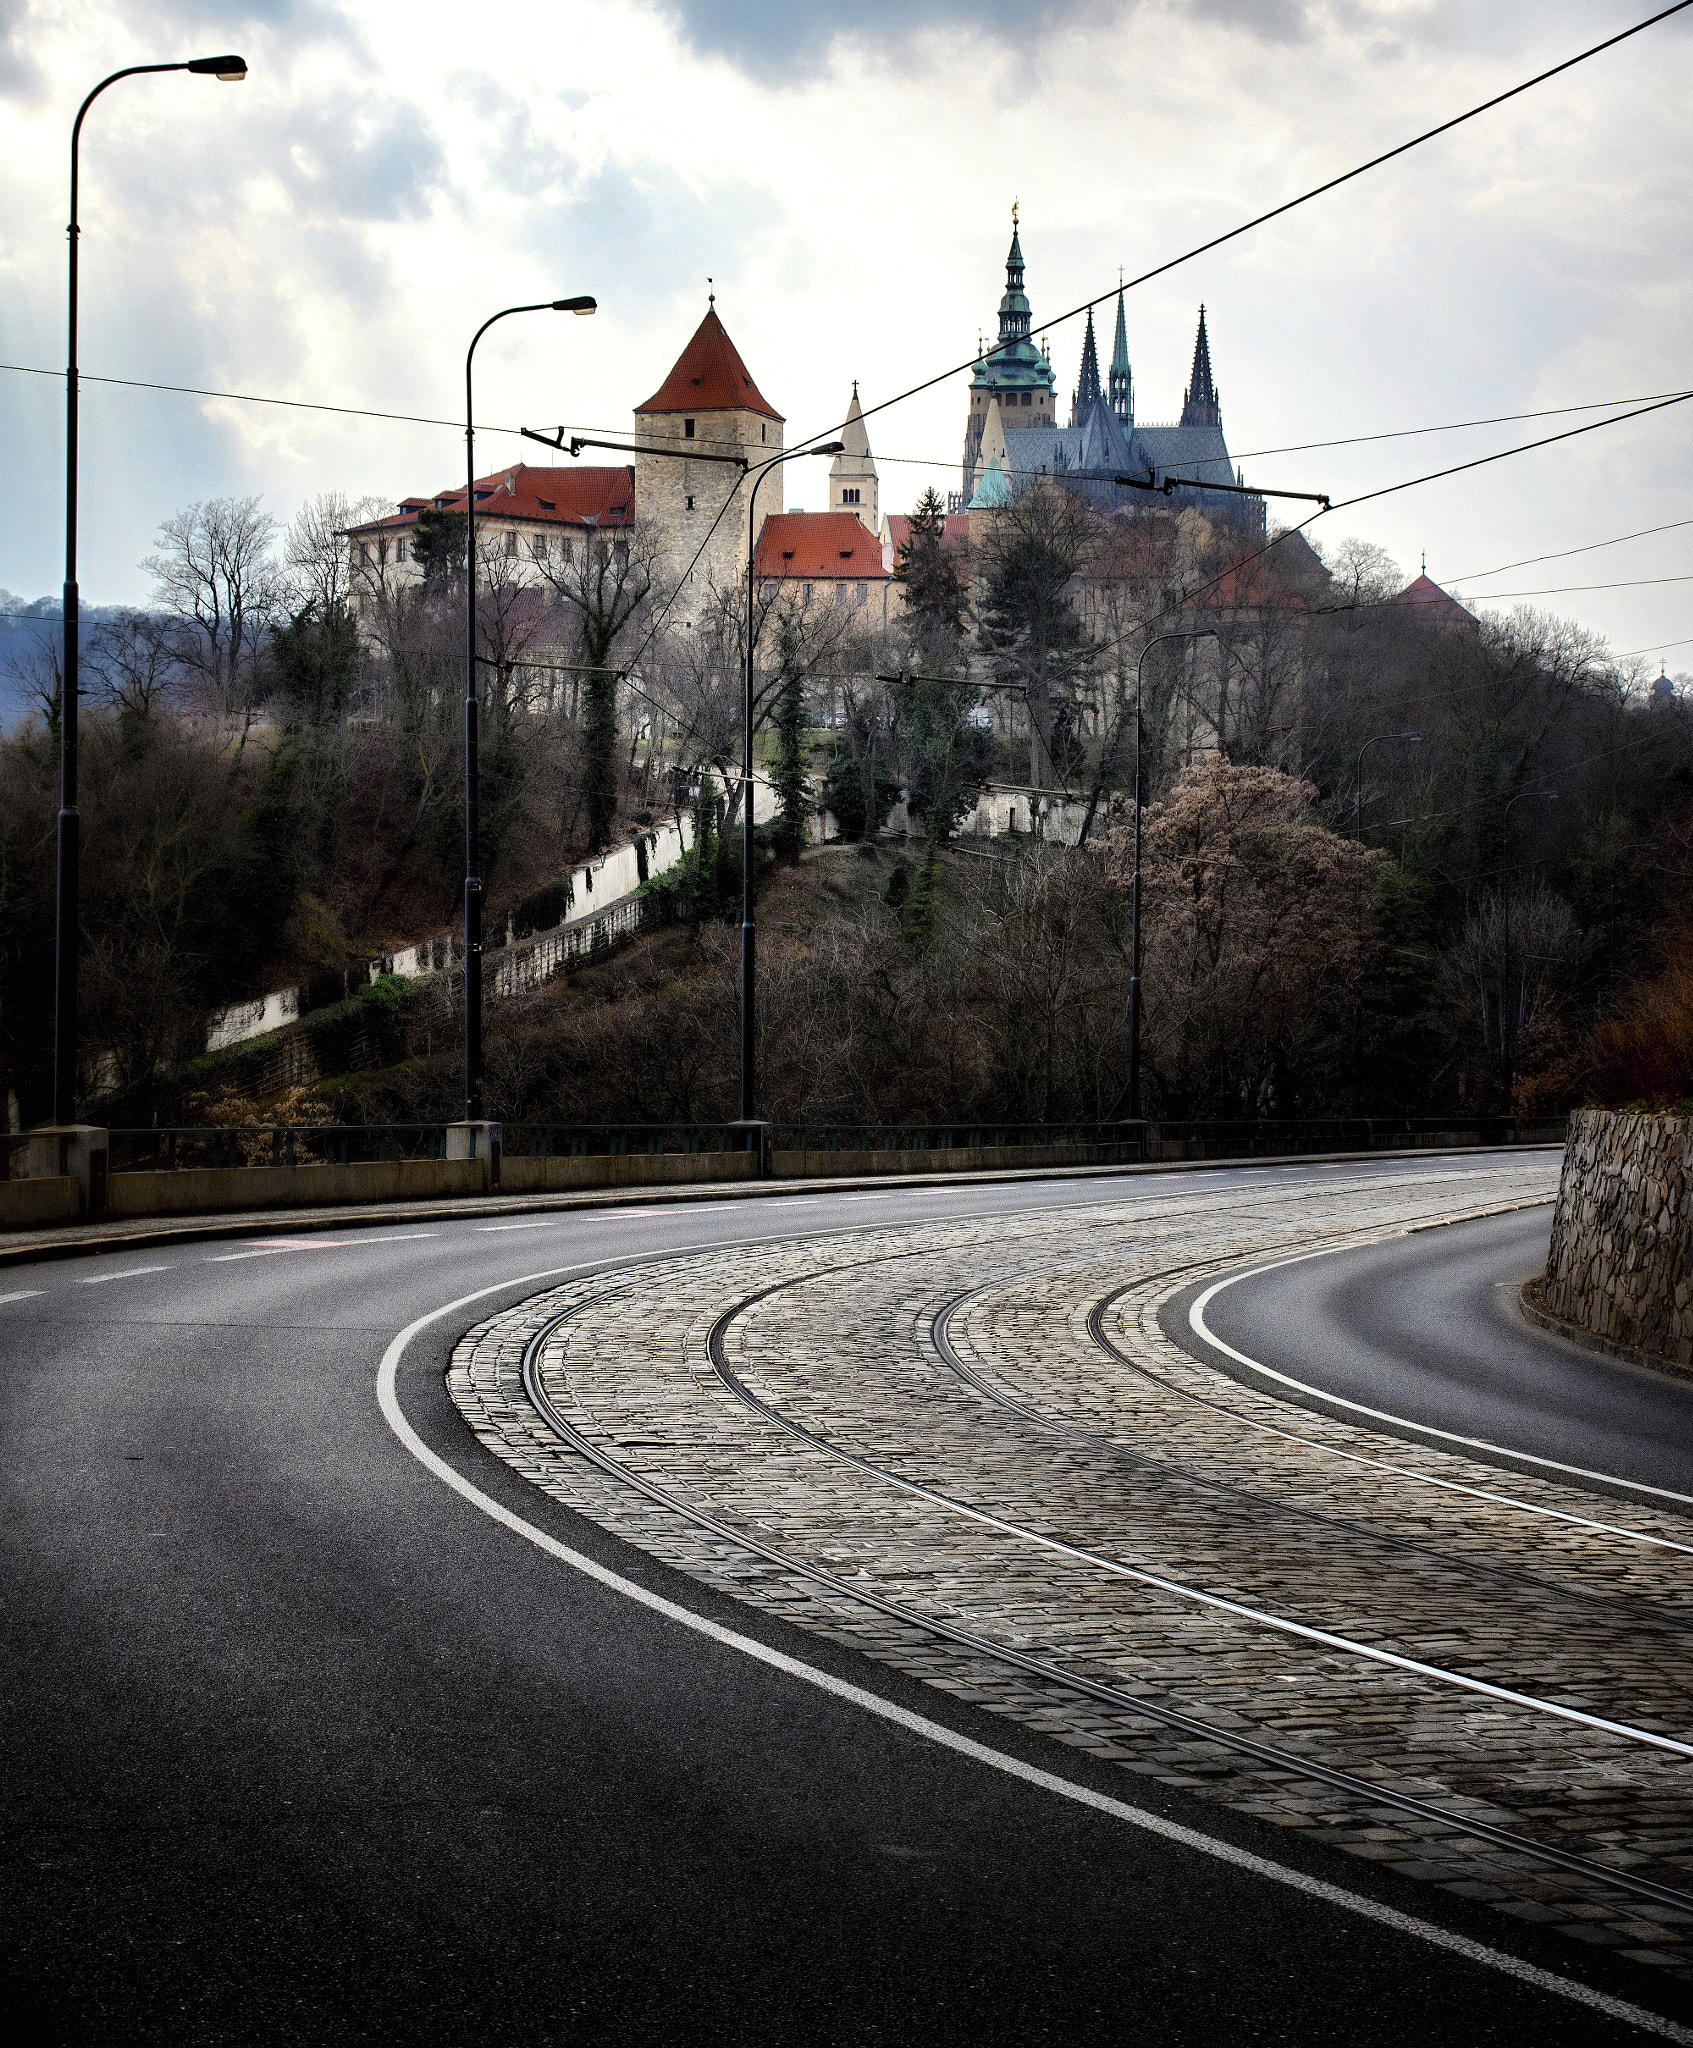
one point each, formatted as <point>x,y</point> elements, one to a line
<point>90,1240</point>
<point>1590,1340</point>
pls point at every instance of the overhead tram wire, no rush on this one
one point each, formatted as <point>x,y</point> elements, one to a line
<point>1058,320</point>
<point>1351,440</point>
<point>359,412</point>
<point>906,461</point>
<point>1562,554</point>
<point>1275,212</point>
<point>1146,277</point>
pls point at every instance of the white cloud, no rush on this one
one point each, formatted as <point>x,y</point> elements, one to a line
<point>337,227</point>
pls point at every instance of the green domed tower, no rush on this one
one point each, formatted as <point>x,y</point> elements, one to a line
<point>1014,376</point>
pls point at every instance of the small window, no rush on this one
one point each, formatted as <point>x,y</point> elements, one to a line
<point>382,551</point>
<point>400,549</point>
<point>687,430</point>
<point>761,432</point>
<point>511,543</point>
<point>807,591</point>
<point>850,497</point>
<point>863,592</point>
<point>364,551</point>
<point>690,503</point>
<point>1027,397</point>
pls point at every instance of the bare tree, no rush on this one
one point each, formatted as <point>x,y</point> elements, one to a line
<point>132,661</point>
<point>215,573</point>
<point>316,562</point>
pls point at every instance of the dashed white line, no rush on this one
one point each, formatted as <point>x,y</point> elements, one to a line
<point>23,1294</point>
<point>129,1273</point>
<point>269,1251</point>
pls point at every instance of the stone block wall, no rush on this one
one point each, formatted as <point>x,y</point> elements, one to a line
<point>1621,1262</point>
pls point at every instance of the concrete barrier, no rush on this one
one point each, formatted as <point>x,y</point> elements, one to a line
<point>196,1190</point>
<point>51,1198</point>
<point>824,1165</point>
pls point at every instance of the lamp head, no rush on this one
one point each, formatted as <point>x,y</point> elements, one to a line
<point>828,448</point>
<point>582,305</point>
<point>232,70</point>
<point>1407,736</point>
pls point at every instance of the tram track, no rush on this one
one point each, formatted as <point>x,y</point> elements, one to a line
<point>1629,1613</point>
<point>1365,1791</point>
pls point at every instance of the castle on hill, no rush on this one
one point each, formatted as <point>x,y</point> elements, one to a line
<point>1012,436</point>
<point>709,453</point>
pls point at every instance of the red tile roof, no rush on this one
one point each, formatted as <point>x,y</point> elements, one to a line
<point>1435,604</point>
<point>547,497</point>
<point>709,377</point>
<point>826,546</point>
<point>956,535</point>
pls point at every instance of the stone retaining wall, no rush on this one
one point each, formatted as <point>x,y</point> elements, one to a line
<point>1621,1262</point>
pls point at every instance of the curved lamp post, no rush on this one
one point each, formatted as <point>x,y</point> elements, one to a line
<point>748,934</point>
<point>231,70</point>
<point>1509,1017</point>
<point>1200,633</point>
<point>472,803</point>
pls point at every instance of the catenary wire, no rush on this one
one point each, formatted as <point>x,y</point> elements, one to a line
<point>1562,554</point>
<point>1275,212</point>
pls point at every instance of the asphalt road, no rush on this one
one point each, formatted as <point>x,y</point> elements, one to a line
<point>1432,1333</point>
<point>302,1746</point>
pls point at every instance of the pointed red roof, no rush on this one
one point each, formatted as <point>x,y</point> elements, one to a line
<point>709,377</point>
<point>1434,603</point>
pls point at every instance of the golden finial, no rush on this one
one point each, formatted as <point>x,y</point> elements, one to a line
<point>1013,213</point>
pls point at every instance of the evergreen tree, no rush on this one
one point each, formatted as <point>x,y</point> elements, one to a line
<point>599,750</point>
<point>934,589</point>
<point>316,657</point>
<point>792,788</point>
<point>438,549</point>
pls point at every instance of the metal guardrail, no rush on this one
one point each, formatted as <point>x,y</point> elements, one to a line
<point>170,1147</point>
<point>173,1147</point>
<point>972,1135</point>
<point>599,1141</point>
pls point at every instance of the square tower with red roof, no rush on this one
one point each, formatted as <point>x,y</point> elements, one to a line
<point>707,406</point>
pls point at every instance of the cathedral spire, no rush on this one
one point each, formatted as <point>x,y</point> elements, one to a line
<point>1201,407</point>
<point>1122,390</point>
<point>1088,393</point>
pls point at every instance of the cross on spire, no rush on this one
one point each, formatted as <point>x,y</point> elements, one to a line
<point>1201,407</point>
<point>1088,393</point>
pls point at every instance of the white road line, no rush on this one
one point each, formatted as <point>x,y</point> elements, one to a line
<point>23,1294</point>
<point>269,1251</point>
<point>129,1273</point>
<point>546,1223</point>
<point>963,1745</point>
<point>402,1237</point>
<point>1203,1330</point>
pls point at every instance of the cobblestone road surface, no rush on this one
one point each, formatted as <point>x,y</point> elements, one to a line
<point>1046,1474</point>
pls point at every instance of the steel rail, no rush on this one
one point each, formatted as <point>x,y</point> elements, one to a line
<point>1623,1612</point>
<point>1361,1789</point>
<point>1158,1582</point>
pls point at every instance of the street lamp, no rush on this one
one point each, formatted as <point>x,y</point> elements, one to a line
<point>1358,775</point>
<point>231,70</point>
<point>1509,1017</point>
<point>472,804</point>
<point>1201,633</point>
<point>748,935</point>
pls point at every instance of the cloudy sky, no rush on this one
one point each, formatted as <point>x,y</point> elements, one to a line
<point>333,230</point>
